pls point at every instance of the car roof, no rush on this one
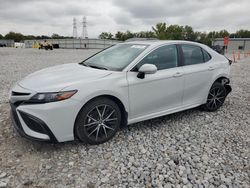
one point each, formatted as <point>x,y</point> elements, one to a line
<point>161,42</point>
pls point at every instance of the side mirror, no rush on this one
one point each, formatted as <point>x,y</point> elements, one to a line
<point>146,69</point>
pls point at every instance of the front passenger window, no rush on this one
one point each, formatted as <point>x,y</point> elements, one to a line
<point>164,57</point>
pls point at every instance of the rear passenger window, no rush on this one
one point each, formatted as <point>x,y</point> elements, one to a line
<point>192,54</point>
<point>207,56</point>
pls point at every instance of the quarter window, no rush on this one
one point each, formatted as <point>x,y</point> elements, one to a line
<point>192,54</point>
<point>206,55</point>
<point>164,57</point>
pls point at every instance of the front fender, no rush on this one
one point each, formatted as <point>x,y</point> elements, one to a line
<point>117,95</point>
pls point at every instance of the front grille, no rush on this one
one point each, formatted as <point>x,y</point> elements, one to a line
<point>14,93</point>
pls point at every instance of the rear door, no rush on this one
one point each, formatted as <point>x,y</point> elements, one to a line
<point>198,73</point>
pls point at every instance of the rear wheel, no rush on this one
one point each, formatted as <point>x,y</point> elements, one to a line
<point>98,121</point>
<point>216,97</point>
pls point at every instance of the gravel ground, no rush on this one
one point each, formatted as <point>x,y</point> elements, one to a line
<point>187,149</point>
<point>17,63</point>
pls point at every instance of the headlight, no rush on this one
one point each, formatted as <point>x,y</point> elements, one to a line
<point>52,97</point>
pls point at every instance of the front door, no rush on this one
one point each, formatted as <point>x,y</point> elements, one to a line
<point>156,92</point>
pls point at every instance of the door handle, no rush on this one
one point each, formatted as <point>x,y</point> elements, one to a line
<point>211,68</point>
<point>177,74</point>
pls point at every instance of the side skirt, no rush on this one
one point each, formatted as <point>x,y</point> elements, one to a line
<point>162,113</point>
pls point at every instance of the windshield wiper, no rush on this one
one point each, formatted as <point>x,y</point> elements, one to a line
<point>97,67</point>
<point>93,66</point>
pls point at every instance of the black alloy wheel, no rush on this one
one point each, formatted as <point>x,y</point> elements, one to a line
<point>98,121</point>
<point>216,97</point>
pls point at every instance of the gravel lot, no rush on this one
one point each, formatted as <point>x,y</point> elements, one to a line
<point>187,149</point>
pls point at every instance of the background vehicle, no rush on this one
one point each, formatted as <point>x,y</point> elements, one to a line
<point>124,84</point>
<point>45,45</point>
<point>218,49</point>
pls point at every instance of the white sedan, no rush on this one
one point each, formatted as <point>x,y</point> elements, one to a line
<point>124,84</point>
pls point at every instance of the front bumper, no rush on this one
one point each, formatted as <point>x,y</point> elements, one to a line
<point>39,131</point>
<point>52,122</point>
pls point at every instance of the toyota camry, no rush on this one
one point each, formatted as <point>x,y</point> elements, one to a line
<point>124,84</point>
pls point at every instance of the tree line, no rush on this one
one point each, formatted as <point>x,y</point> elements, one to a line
<point>18,37</point>
<point>160,31</point>
<point>163,31</point>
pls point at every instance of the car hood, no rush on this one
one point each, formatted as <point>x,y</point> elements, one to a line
<point>58,77</point>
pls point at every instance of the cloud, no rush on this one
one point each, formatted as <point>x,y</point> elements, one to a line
<point>46,17</point>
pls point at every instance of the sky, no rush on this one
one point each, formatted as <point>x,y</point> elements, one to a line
<point>45,17</point>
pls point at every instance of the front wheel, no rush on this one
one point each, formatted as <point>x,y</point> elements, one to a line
<point>98,121</point>
<point>216,97</point>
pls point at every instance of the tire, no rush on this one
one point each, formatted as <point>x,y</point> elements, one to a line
<point>216,97</point>
<point>98,121</point>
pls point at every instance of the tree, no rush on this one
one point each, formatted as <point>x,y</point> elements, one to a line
<point>17,37</point>
<point>105,35</point>
<point>160,30</point>
<point>223,33</point>
<point>119,36</point>
<point>55,36</point>
<point>43,37</point>
<point>203,38</point>
<point>1,36</point>
<point>124,36</point>
<point>128,35</point>
<point>145,34</point>
<point>243,34</point>
<point>232,35</point>
<point>189,33</point>
<point>175,32</point>
<point>217,34</point>
<point>30,37</point>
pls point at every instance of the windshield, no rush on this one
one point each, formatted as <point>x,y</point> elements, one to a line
<point>116,57</point>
